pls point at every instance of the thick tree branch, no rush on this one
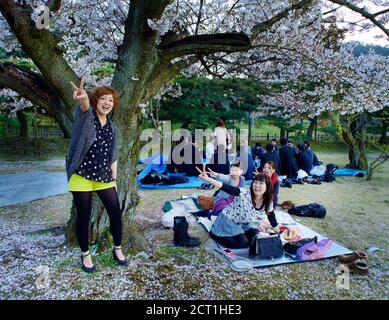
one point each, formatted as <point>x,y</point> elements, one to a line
<point>365,13</point>
<point>30,85</point>
<point>206,44</point>
<point>223,42</point>
<point>34,87</point>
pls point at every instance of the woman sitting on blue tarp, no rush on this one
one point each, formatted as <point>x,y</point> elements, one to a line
<point>184,158</point>
<point>235,226</point>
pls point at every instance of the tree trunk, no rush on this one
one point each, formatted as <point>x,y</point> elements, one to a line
<point>311,129</point>
<point>250,128</point>
<point>23,132</point>
<point>282,133</point>
<point>383,139</point>
<point>358,130</point>
<point>352,130</point>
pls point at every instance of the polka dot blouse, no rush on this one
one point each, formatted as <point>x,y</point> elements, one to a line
<point>96,165</point>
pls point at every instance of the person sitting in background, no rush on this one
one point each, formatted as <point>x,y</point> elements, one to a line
<point>257,151</point>
<point>246,161</point>
<point>274,143</point>
<point>270,155</point>
<point>222,199</point>
<point>219,161</point>
<point>174,165</point>
<point>287,160</point>
<point>291,145</point>
<point>235,226</point>
<point>304,159</point>
<point>270,169</point>
<point>192,159</point>
<point>315,160</point>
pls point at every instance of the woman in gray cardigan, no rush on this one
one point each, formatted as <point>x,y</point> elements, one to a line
<point>91,165</point>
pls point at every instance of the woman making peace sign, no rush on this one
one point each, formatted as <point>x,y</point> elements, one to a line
<point>235,226</point>
<point>92,165</point>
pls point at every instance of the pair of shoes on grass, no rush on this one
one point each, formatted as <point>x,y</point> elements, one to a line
<point>356,262</point>
<point>286,183</point>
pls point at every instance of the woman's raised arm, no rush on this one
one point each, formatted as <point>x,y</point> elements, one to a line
<point>81,95</point>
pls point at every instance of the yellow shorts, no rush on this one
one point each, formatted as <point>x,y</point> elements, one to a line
<point>79,183</point>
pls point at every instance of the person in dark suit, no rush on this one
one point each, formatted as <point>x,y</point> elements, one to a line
<point>247,162</point>
<point>315,160</point>
<point>304,158</point>
<point>192,159</point>
<point>257,151</point>
<point>287,160</point>
<point>274,143</point>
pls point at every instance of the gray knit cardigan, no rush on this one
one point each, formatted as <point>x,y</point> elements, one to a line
<point>83,136</point>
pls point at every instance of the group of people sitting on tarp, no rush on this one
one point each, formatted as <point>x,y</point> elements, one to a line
<point>185,157</point>
<point>289,159</point>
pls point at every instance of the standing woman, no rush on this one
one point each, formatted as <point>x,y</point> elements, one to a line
<point>221,135</point>
<point>91,165</point>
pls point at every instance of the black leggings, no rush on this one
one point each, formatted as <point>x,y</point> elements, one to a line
<point>83,203</point>
<point>239,241</point>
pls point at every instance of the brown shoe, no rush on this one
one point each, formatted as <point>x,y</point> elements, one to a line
<point>352,257</point>
<point>358,267</point>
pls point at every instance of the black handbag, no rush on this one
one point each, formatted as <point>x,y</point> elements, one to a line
<point>292,247</point>
<point>266,247</point>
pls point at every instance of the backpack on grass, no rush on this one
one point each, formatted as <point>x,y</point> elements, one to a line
<point>314,210</point>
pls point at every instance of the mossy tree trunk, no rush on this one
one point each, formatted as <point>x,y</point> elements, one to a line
<point>23,130</point>
<point>352,130</point>
<point>311,128</point>
<point>384,139</point>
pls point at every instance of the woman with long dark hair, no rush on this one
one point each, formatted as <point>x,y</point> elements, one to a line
<point>91,165</point>
<point>235,225</point>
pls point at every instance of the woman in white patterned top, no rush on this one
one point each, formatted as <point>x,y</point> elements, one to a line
<point>236,224</point>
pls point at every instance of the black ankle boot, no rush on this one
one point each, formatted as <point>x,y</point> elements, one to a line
<point>181,236</point>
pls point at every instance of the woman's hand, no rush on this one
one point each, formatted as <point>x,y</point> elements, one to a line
<point>203,175</point>
<point>213,174</point>
<point>256,172</point>
<point>80,94</point>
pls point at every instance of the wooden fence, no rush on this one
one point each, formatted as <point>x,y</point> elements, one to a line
<point>41,133</point>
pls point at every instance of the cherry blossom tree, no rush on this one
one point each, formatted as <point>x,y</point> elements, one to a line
<point>150,42</point>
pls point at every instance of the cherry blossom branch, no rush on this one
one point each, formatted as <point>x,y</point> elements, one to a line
<point>365,13</point>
